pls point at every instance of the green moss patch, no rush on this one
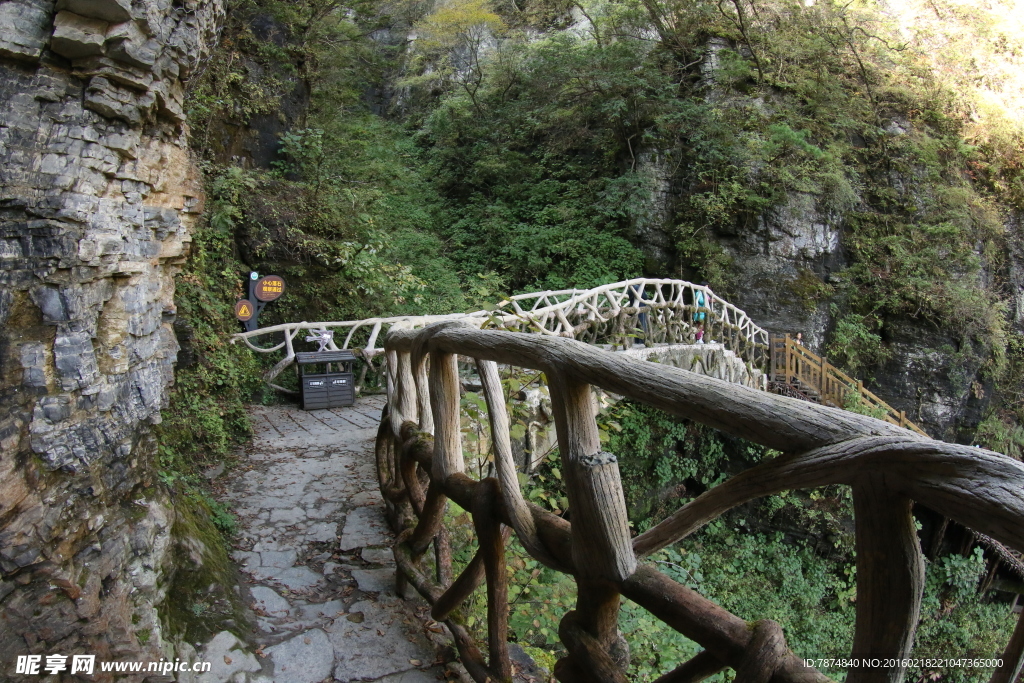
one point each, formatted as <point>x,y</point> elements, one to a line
<point>201,599</point>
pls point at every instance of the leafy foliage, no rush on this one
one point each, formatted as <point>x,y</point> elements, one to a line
<point>854,343</point>
<point>684,457</point>
<point>453,40</point>
<point>1002,435</point>
<point>530,167</point>
<point>207,405</point>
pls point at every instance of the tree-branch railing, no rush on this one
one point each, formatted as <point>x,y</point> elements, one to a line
<point>655,311</point>
<point>658,311</point>
<point>794,363</point>
<point>421,465</point>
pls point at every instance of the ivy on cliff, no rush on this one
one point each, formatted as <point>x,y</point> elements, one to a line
<point>215,379</point>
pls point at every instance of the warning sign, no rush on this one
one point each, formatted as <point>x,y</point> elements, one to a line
<point>269,287</point>
<point>244,310</point>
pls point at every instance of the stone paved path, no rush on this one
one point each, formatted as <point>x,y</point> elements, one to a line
<point>314,544</point>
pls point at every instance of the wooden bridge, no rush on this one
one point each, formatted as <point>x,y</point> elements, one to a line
<point>642,310</point>
<point>796,371</point>
<point>420,466</point>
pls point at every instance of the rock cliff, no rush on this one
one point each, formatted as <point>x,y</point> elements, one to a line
<point>97,196</point>
<point>788,265</point>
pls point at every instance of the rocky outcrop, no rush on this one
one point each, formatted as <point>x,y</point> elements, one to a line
<point>792,250</point>
<point>272,85</point>
<point>789,264</point>
<point>97,196</point>
<point>786,265</point>
<point>654,167</point>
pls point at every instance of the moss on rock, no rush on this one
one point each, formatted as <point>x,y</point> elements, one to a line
<point>202,598</point>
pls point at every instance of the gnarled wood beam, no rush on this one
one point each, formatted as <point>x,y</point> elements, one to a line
<point>887,466</point>
<point>890,579</point>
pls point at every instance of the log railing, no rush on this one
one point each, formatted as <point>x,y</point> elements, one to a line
<point>420,466</point>
<point>657,311</point>
<point>793,364</point>
<point>652,311</point>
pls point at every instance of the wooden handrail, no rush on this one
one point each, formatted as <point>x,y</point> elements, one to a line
<point>887,467</point>
<point>658,311</point>
<point>794,364</point>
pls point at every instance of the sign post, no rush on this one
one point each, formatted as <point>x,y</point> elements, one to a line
<point>262,290</point>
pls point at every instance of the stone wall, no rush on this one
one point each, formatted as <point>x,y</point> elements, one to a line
<point>97,197</point>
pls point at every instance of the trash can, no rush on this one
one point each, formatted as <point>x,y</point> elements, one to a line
<point>326,379</point>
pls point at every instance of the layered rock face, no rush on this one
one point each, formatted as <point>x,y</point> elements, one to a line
<point>97,196</point>
<point>785,264</point>
<point>796,247</point>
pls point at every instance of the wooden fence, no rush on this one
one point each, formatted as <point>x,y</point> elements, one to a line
<point>642,310</point>
<point>793,364</point>
<point>648,310</point>
<point>420,466</point>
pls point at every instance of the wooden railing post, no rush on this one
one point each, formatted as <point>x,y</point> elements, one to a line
<point>601,547</point>
<point>785,359</point>
<point>444,403</point>
<point>601,540</point>
<point>794,359</point>
<point>423,395</point>
<point>447,458</point>
<point>890,579</point>
<point>404,406</point>
<point>390,372</point>
<point>1013,656</point>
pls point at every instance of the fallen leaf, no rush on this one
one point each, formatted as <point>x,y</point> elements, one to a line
<point>227,660</point>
